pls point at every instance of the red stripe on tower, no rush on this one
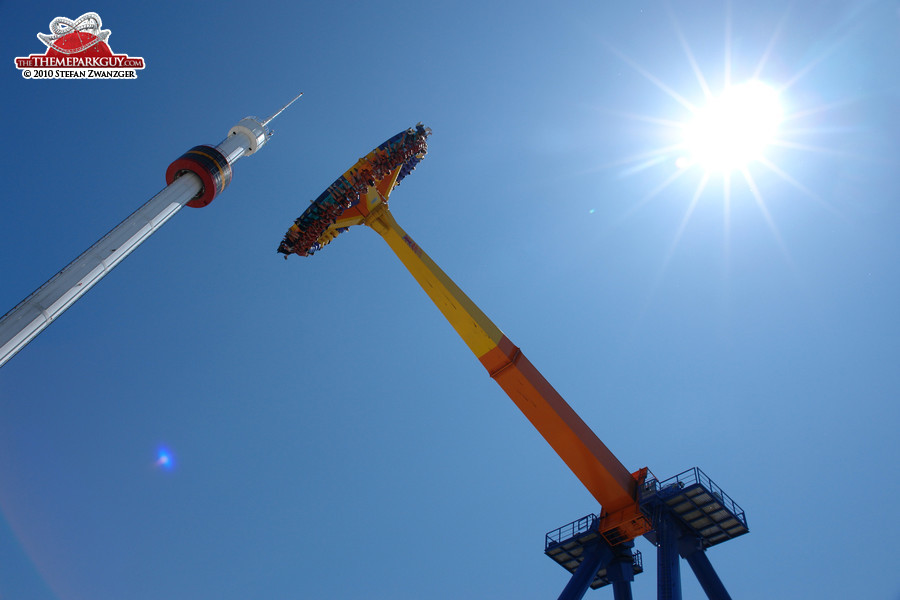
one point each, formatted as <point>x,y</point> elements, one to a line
<point>209,165</point>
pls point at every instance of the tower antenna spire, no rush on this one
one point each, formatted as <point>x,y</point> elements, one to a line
<point>281,110</point>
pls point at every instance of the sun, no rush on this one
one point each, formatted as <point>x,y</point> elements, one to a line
<point>733,129</point>
<point>733,138</point>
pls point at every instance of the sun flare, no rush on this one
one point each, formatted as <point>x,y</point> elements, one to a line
<point>728,142</point>
<point>733,129</point>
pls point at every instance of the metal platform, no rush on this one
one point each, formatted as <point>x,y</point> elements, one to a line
<point>566,546</point>
<point>699,504</point>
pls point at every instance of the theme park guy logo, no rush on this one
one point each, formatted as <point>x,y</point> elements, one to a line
<point>78,50</point>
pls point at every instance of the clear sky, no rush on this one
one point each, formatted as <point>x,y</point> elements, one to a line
<point>330,434</point>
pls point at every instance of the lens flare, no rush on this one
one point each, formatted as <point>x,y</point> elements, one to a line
<point>164,459</point>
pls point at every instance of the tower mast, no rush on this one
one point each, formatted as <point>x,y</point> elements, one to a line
<point>194,179</point>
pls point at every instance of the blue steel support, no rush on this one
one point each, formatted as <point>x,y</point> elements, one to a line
<point>679,532</point>
<point>622,590</point>
<point>706,575</point>
<point>668,573</point>
<point>594,557</point>
<point>620,572</point>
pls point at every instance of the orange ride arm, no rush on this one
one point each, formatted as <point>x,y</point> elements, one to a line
<point>589,459</point>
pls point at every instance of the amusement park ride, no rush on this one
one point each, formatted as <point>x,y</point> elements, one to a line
<point>682,516</point>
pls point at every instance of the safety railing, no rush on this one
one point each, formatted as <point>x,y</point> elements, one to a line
<point>691,477</point>
<point>637,559</point>
<point>570,530</point>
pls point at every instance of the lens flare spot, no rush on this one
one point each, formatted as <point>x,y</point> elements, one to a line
<point>164,459</point>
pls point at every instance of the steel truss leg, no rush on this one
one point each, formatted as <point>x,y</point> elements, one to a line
<point>706,575</point>
<point>674,542</point>
<point>618,563</point>
<point>622,590</point>
<point>668,572</point>
<point>620,571</point>
<point>594,557</point>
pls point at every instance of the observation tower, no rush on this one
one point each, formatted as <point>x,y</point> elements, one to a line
<point>194,179</point>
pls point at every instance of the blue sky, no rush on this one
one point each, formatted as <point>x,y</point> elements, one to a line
<point>331,435</point>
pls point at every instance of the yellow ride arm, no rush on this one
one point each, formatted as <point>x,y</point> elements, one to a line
<point>590,460</point>
<point>360,196</point>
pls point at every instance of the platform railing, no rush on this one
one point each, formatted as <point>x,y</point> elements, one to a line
<point>690,477</point>
<point>570,530</point>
